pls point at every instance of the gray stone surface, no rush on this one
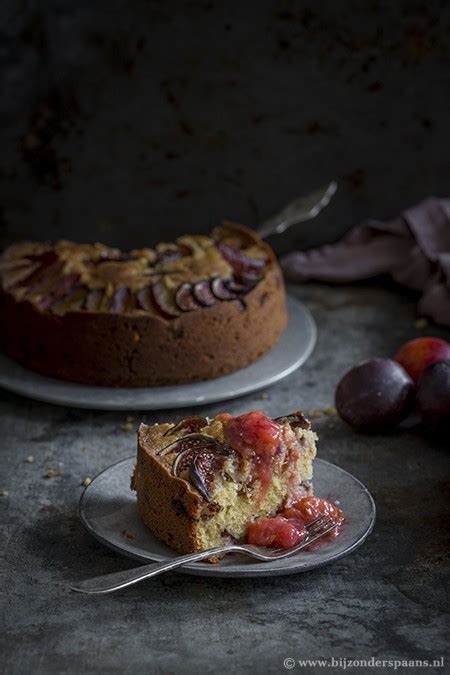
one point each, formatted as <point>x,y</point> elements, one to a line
<point>387,600</point>
<point>128,121</point>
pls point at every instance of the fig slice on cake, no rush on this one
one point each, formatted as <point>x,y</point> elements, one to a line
<point>47,262</point>
<point>59,290</point>
<point>238,288</point>
<point>297,420</point>
<point>71,302</point>
<point>188,424</point>
<point>162,302</point>
<point>93,299</point>
<point>119,300</point>
<point>184,298</point>
<point>203,294</point>
<point>168,254</point>
<point>242,264</point>
<point>155,298</point>
<point>143,297</point>
<point>203,468</point>
<point>41,277</point>
<point>220,290</point>
<point>190,442</point>
<point>202,464</point>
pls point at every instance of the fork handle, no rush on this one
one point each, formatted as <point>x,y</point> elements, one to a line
<point>107,583</point>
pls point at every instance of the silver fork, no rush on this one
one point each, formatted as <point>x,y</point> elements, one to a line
<point>299,211</point>
<point>108,583</point>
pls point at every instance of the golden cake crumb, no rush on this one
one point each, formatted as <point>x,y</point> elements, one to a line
<point>128,424</point>
<point>330,411</point>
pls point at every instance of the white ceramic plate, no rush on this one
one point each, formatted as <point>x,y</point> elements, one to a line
<point>292,350</point>
<point>108,511</point>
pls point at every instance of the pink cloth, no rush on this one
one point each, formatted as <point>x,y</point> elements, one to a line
<point>413,249</point>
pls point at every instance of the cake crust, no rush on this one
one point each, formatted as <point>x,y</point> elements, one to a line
<point>169,506</point>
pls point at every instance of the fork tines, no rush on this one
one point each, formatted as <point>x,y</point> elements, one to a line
<point>317,523</point>
<point>316,529</point>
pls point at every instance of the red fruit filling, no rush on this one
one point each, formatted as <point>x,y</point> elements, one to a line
<point>310,508</point>
<point>278,532</point>
<point>253,435</point>
<point>257,438</point>
<point>287,529</point>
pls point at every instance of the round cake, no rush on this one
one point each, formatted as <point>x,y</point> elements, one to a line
<point>190,310</point>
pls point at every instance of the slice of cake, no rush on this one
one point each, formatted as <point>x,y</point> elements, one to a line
<point>200,483</point>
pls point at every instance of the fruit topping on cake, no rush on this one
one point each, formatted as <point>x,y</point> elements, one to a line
<point>203,482</point>
<point>288,528</point>
<point>258,439</point>
<point>188,425</point>
<point>195,272</point>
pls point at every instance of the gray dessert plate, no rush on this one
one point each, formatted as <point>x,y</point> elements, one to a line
<point>108,511</point>
<point>291,351</point>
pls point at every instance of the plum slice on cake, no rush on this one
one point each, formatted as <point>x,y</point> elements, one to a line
<point>202,482</point>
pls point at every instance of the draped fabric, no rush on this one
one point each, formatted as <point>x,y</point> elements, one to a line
<point>413,249</point>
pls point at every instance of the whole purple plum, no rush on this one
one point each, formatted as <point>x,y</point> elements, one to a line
<point>433,397</point>
<point>375,395</point>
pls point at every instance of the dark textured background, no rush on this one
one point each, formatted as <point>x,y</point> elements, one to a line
<point>130,121</point>
<point>122,120</point>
